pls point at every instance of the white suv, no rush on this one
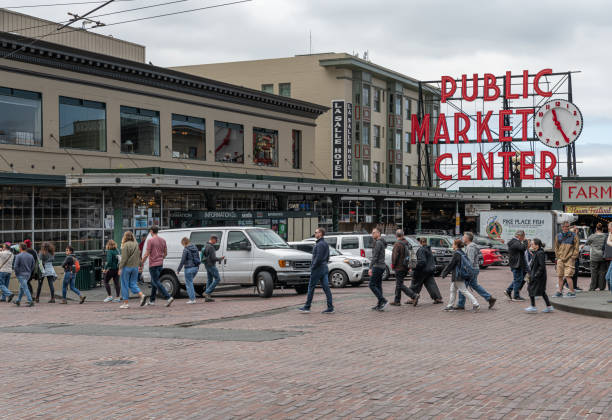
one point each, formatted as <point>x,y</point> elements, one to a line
<point>253,257</point>
<point>343,269</point>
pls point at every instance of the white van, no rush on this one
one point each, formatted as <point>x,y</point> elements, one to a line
<point>253,257</point>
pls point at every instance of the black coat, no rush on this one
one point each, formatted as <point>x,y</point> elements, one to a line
<point>452,266</point>
<point>516,254</point>
<point>537,282</point>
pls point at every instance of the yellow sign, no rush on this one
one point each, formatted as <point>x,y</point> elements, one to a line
<point>589,209</point>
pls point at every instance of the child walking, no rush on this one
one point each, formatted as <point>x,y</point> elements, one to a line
<point>537,282</point>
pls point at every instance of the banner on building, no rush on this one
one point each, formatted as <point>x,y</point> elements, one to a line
<point>592,210</point>
<point>338,139</point>
<point>349,140</point>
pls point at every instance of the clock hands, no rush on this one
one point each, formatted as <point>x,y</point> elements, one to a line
<point>558,125</point>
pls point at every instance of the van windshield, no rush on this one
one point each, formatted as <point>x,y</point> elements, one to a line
<point>267,239</point>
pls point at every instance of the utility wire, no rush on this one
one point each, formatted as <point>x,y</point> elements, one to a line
<point>77,18</point>
<point>57,4</point>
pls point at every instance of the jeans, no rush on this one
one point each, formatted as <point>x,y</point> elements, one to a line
<point>476,287</point>
<point>213,279</point>
<point>401,287</point>
<point>376,284</point>
<point>518,278</point>
<point>23,288</point>
<point>609,277</point>
<point>155,272</point>
<point>50,280</point>
<point>4,282</point>
<point>69,277</point>
<point>129,282</point>
<point>190,274</point>
<point>460,286</point>
<point>319,274</point>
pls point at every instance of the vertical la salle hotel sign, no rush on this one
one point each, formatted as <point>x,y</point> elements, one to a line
<point>349,140</point>
<point>338,139</point>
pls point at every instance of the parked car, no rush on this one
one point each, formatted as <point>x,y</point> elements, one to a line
<point>584,260</point>
<point>253,257</point>
<point>343,269</point>
<point>490,257</point>
<point>359,245</point>
<point>494,244</point>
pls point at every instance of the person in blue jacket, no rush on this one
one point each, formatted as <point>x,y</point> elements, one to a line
<point>319,272</point>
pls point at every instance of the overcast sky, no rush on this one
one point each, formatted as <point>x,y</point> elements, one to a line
<point>422,39</point>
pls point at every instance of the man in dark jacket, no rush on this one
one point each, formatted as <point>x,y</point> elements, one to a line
<point>377,270</point>
<point>210,259</point>
<point>23,266</point>
<point>401,254</point>
<point>424,273</point>
<point>319,272</point>
<point>516,255</point>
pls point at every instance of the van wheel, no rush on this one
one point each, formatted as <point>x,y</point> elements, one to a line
<point>385,275</point>
<point>199,290</point>
<point>265,284</point>
<point>171,284</point>
<point>302,289</point>
<point>337,278</point>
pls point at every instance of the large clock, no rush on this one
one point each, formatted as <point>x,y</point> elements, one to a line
<point>558,123</point>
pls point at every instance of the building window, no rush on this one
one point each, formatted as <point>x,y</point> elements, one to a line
<point>82,124</point>
<point>265,147</point>
<point>365,171</point>
<point>139,131</point>
<point>398,139</point>
<point>268,88</point>
<point>377,136</point>
<point>376,100</point>
<point>408,107</point>
<point>376,171</point>
<point>188,137</point>
<point>398,105</point>
<point>408,172</point>
<point>296,149</point>
<point>366,133</point>
<point>398,174</point>
<point>366,95</point>
<point>407,142</point>
<point>284,89</point>
<point>20,117</point>
<point>229,142</point>
<point>391,103</point>
<point>391,172</point>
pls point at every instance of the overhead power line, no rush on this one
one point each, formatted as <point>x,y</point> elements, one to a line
<point>58,4</point>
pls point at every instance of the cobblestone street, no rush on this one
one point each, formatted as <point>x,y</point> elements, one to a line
<point>246,357</point>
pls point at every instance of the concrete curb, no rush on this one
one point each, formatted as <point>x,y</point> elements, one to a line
<point>588,303</point>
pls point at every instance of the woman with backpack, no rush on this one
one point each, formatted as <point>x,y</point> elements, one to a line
<point>537,277</point>
<point>71,268</point>
<point>461,268</point>
<point>47,254</point>
<point>111,271</point>
<point>191,261</point>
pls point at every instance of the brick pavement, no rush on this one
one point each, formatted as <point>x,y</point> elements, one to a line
<point>405,363</point>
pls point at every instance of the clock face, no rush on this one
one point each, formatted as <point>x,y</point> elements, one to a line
<point>558,123</point>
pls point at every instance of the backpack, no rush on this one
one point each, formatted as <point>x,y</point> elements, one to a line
<point>465,271</point>
<point>407,250</point>
<point>77,265</point>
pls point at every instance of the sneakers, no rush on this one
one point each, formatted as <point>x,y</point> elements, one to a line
<point>64,302</point>
<point>492,301</point>
<point>108,299</point>
<point>438,301</point>
<point>124,306</point>
<point>459,308</point>
<point>531,310</point>
<point>396,303</point>
<point>116,300</point>
<point>208,298</point>
<point>328,311</point>
<point>374,308</point>
<point>508,294</point>
<point>382,307</point>
<point>169,302</point>
<point>149,303</point>
<point>548,310</point>
<point>558,295</point>
<point>29,304</point>
<point>83,297</point>
<point>304,310</point>
<point>8,299</point>
<point>449,309</point>
<point>518,299</point>
<point>143,299</point>
<point>17,303</point>
<point>476,308</point>
<point>190,302</point>
<point>52,300</point>
<point>416,299</point>
<point>570,295</point>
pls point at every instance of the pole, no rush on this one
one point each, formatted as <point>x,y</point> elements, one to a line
<point>457,219</point>
<point>419,214</point>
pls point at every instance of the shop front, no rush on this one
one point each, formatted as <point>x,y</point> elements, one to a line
<point>588,198</point>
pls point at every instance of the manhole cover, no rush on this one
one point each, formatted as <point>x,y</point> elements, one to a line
<point>113,362</point>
